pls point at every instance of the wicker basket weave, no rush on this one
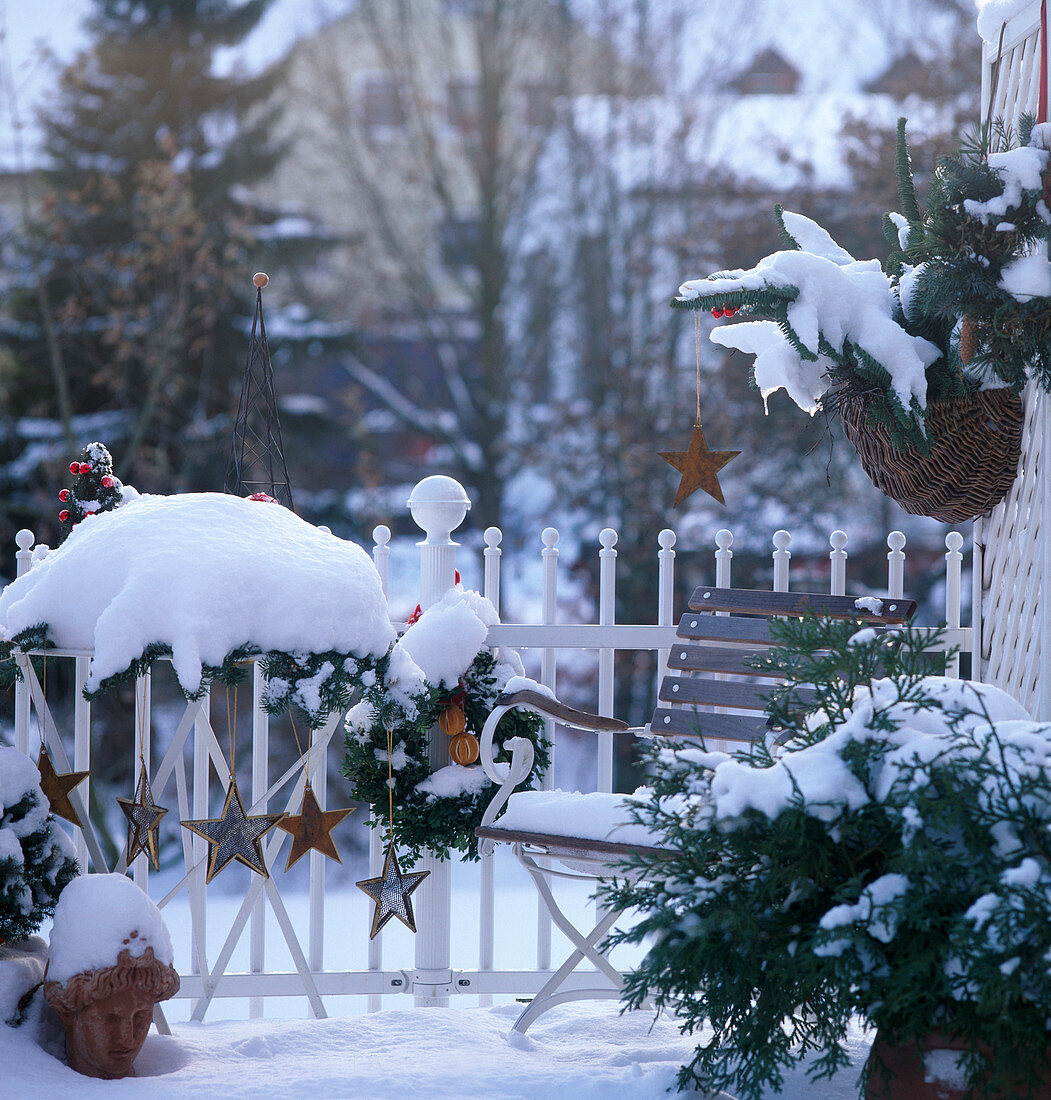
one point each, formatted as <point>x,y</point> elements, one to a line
<point>972,465</point>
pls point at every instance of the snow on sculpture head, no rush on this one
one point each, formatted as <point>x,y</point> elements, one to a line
<point>110,963</point>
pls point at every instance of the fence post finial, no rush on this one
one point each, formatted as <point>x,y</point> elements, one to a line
<point>438,505</point>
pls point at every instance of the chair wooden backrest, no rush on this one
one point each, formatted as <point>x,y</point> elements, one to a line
<point>722,631</point>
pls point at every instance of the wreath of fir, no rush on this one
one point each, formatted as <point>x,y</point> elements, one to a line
<point>424,816</point>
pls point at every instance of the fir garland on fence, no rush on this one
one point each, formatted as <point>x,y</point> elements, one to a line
<point>33,637</point>
<point>317,683</point>
<point>425,817</point>
<point>441,817</point>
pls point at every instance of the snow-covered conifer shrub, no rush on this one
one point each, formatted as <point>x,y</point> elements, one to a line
<point>891,862</point>
<point>36,859</point>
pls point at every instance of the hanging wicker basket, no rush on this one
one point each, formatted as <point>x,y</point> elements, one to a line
<point>977,444</point>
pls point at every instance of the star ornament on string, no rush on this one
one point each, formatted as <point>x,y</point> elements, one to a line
<point>391,893</point>
<point>311,829</point>
<point>699,467</point>
<point>234,835</point>
<point>57,788</point>
<point>144,819</point>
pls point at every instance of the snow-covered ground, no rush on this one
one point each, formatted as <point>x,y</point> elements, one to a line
<point>586,1050</point>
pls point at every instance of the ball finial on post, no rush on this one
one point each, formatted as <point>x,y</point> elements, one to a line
<point>260,279</point>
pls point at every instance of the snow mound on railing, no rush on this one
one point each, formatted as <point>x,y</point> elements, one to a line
<point>205,574</point>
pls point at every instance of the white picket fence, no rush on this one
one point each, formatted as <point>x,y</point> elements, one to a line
<point>430,977</point>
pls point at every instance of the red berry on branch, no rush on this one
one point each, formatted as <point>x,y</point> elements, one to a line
<point>63,495</point>
<point>63,515</point>
<point>74,467</point>
<point>729,311</point>
<point>85,467</point>
<point>107,482</point>
<point>717,313</point>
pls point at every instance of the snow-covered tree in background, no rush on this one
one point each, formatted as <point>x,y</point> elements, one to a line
<point>136,272</point>
<point>434,171</point>
<point>36,857</point>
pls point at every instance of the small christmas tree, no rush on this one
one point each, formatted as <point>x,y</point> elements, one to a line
<point>36,859</point>
<point>97,488</point>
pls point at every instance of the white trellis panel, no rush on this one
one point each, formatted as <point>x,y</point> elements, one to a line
<point>1013,543</point>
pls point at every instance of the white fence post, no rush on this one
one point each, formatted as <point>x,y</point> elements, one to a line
<point>381,556</point>
<point>665,592</point>
<point>198,893</point>
<point>977,575</point>
<point>607,613</point>
<point>724,557</point>
<point>782,556</point>
<point>838,563</point>
<point>492,553</point>
<point>438,505</point>
<point>953,568</point>
<point>82,750</point>
<point>23,699</point>
<point>381,559</point>
<point>260,782</point>
<point>548,614</point>
<point>143,743</point>
<point>896,565</point>
<point>548,674</point>
<point>487,883</point>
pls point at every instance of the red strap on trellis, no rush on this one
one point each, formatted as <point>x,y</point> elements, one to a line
<point>1041,111</point>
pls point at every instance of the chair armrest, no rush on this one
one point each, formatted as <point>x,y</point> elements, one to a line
<point>552,708</point>
<point>509,776</point>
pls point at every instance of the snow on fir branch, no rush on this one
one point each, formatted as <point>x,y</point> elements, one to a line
<point>36,857</point>
<point>211,582</point>
<point>823,325</point>
<point>890,862</point>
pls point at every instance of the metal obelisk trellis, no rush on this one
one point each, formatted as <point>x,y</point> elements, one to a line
<point>258,462</point>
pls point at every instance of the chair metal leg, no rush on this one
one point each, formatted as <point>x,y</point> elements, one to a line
<point>585,946</point>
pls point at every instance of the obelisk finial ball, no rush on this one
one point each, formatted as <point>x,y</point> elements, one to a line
<point>260,278</point>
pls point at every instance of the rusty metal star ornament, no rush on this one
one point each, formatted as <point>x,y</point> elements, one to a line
<point>57,788</point>
<point>391,893</point>
<point>311,829</point>
<point>699,467</point>
<point>234,835</point>
<point>144,819</point>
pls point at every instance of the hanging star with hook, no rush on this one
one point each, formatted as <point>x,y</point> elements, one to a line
<point>391,893</point>
<point>699,467</point>
<point>234,835</point>
<point>311,829</point>
<point>144,819</point>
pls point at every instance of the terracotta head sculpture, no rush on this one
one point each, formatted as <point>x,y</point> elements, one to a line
<point>106,1010</point>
